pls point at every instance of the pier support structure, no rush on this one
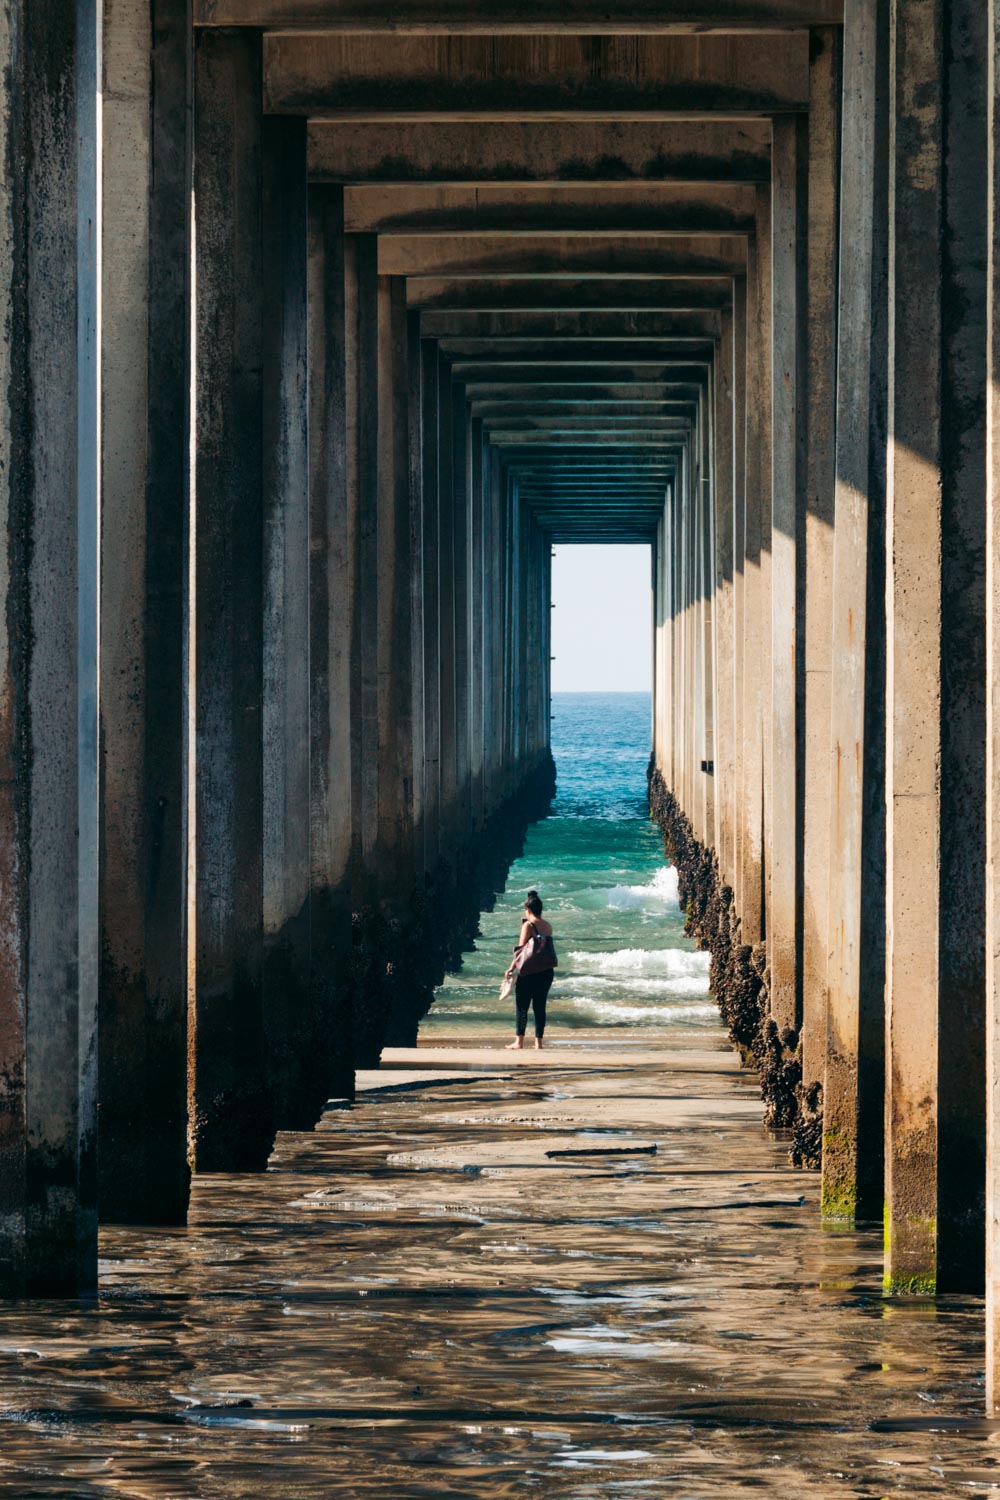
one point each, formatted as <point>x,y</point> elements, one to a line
<point>322,331</point>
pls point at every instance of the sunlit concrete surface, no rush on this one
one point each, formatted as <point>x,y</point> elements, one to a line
<point>416,1300</point>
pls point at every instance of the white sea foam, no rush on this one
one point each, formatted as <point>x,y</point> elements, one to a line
<point>602,985</point>
<point>625,962</point>
<point>611,1011</point>
<point>660,890</point>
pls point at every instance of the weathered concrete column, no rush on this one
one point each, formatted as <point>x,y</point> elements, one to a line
<point>685,673</point>
<point>913,687</point>
<point>852,1185</point>
<point>491,631</point>
<point>789,164</point>
<point>992,944</point>
<point>756,576</point>
<point>361,377</point>
<point>723,588</point>
<point>936,632</point>
<point>415,482</point>
<point>524,661</point>
<point>461,513</point>
<point>675,579</point>
<point>477,587</point>
<point>49,485</point>
<point>286,719</point>
<point>936,626</point>
<point>430,394</point>
<point>331,645</point>
<point>740,372</point>
<point>507,574</point>
<point>394,853</point>
<point>961,1006</point>
<point>142,1047</point>
<point>706,607</point>
<point>661,696</point>
<point>446,613</point>
<point>230,1106</point>
<point>817,536</point>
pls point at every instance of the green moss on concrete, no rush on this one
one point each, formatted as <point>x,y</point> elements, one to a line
<point>903,1283</point>
<point>839,1192</point>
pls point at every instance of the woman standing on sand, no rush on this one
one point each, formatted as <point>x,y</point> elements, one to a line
<point>532,988</point>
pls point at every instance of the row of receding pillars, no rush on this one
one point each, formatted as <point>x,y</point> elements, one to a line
<point>236,479</point>
<point>827,668</point>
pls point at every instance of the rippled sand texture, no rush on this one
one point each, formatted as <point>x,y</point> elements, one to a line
<point>428,1297</point>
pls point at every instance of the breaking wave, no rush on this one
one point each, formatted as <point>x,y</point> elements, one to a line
<point>660,890</point>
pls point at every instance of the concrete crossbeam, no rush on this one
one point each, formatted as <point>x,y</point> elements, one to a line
<point>577,351</point>
<point>584,17</point>
<point>567,257</point>
<point>512,208</point>
<point>594,152</point>
<point>668,294</point>
<point>499,328</point>
<point>369,76</point>
<point>585,390</point>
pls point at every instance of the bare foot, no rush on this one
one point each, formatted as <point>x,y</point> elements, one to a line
<point>538,1044</point>
<point>514,1046</point>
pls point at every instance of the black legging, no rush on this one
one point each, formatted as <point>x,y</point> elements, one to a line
<point>532,990</point>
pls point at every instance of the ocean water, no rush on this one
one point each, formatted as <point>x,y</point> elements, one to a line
<point>611,896</point>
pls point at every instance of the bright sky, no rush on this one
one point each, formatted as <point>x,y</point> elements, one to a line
<point>602,621</point>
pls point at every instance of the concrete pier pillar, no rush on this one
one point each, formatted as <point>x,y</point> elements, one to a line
<point>491,633</point>
<point>936,630</point>
<point>330,650</point>
<point>361,346</point>
<point>723,590</point>
<point>961,1006</point>
<point>286,717</point>
<point>430,400</point>
<point>231,1114</point>
<point>852,1185</point>
<point>685,589</point>
<point>477,586</point>
<point>50,89</point>
<point>789,165</point>
<point>740,408</point>
<point>992,944</point>
<point>913,688</point>
<point>142,1047</point>
<point>395,854</point>
<point>415,482</point>
<point>825,83</point>
<point>706,618</point>
<point>461,513</point>
<point>756,578</point>
<point>446,613</point>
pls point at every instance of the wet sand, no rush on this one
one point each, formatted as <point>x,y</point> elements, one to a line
<point>481,1280</point>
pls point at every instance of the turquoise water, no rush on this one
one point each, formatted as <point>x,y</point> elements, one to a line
<point>599,867</point>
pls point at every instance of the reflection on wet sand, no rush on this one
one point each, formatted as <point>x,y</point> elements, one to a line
<point>421,1299</point>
